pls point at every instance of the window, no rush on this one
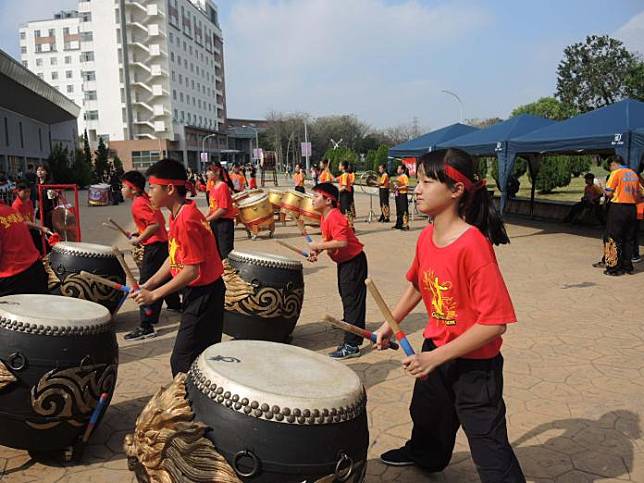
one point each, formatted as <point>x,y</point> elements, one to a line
<point>66,31</point>
<point>171,37</point>
<point>25,63</point>
<point>38,62</point>
<point>37,34</point>
<point>53,61</point>
<point>193,83</point>
<point>70,89</point>
<point>89,75</point>
<point>23,50</point>
<point>87,56</point>
<point>181,96</point>
<point>91,115</point>
<point>176,114</point>
<point>52,32</point>
<point>90,95</point>
<point>68,74</point>
<point>86,36</point>
<point>5,123</point>
<point>174,94</point>
<point>144,159</point>
<point>172,56</point>
<point>179,59</point>
<point>68,59</point>
<point>54,75</point>
<point>23,36</point>
<point>174,77</point>
<point>180,79</point>
<point>87,16</point>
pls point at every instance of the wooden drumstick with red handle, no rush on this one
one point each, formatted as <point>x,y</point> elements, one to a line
<point>126,233</point>
<point>130,277</point>
<point>389,317</point>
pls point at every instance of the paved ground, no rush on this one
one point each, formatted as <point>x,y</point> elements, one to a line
<point>574,365</point>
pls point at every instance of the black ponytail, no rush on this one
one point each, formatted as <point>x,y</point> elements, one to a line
<point>223,174</point>
<point>476,206</point>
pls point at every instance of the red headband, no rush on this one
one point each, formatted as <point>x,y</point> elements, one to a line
<point>166,182</point>
<point>327,195</point>
<point>459,177</point>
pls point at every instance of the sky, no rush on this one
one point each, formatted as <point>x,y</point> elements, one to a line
<point>388,61</point>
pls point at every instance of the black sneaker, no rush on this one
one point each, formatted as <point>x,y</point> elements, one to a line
<point>345,351</point>
<point>600,264</point>
<point>614,273</point>
<point>397,457</point>
<point>141,333</point>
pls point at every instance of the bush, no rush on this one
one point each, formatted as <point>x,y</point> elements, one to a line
<point>520,168</point>
<point>376,157</point>
<point>579,165</point>
<point>554,172</point>
<point>336,156</point>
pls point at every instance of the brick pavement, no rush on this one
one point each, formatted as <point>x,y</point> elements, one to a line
<point>574,365</point>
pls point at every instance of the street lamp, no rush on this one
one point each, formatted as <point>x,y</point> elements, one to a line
<point>462,108</point>
<point>203,144</point>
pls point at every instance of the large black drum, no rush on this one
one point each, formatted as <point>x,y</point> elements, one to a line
<point>264,295</point>
<point>68,259</point>
<point>281,413</point>
<point>57,356</point>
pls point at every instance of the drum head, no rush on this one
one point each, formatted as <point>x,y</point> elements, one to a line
<point>297,194</point>
<point>81,248</point>
<point>51,311</point>
<point>253,199</point>
<point>279,376</point>
<point>265,259</point>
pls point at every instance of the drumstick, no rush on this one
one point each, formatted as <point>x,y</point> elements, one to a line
<point>110,226</point>
<point>105,281</point>
<point>389,318</point>
<point>367,334</point>
<point>293,248</point>
<point>300,224</point>
<point>127,234</point>
<point>129,276</point>
<point>98,410</point>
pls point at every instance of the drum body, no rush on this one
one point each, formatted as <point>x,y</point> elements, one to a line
<point>264,295</point>
<point>308,213</point>
<point>291,417</point>
<point>57,355</point>
<point>292,202</point>
<point>275,197</point>
<point>68,259</point>
<point>99,195</point>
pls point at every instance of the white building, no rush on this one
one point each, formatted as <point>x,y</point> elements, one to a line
<point>152,77</point>
<point>51,50</point>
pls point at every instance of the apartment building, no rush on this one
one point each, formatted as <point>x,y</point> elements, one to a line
<point>152,77</point>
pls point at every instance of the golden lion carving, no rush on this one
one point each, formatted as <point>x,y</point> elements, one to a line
<point>168,446</point>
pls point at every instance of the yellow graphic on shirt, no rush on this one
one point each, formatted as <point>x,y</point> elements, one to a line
<point>443,307</point>
<point>205,224</point>
<point>173,246</point>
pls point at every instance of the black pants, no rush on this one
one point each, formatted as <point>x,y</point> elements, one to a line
<point>468,393</point>
<point>31,281</point>
<point>300,189</point>
<point>402,211</point>
<point>154,256</point>
<point>620,229</point>
<point>345,202</point>
<point>578,209</point>
<point>224,231</point>
<point>384,204</point>
<point>201,325</point>
<point>353,291</point>
<point>636,239</point>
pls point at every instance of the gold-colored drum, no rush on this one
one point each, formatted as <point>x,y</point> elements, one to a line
<point>292,202</point>
<point>308,213</point>
<point>256,213</point>
<point>275,197</point>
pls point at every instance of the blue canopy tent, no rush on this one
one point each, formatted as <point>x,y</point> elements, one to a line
<point>493,141</point>
<point>427,142</point>
<point>637,148</point>
<point>605,130</point>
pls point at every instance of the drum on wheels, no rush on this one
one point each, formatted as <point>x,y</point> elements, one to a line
<point>68,259</point>
<point>258,412</point>
<point>99,194</point>
<point>57,356</point>
<point>264,296</point>
<point>292,202</point>
<point>256,214</point>
<point>308,213</point>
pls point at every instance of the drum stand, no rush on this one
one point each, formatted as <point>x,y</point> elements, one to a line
<point>372,213</point>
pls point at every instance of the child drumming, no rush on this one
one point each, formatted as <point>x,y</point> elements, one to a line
<point>153,236</point>
<point>222,214</point>
<point>25,206</point>
<point>459,374</point>
<point>401,187</point>
<point>193,263</point>
<point>383,192</point>
<point>345,249</point>
<point>298,178</point>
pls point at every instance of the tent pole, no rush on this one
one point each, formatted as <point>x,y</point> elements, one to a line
<point>533,184</point>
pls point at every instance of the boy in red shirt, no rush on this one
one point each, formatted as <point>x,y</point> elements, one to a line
<point>459,373</point>
<point>21,270</point>
<point>193,264</point>
<point>152,234</point>
<point>345,249</point>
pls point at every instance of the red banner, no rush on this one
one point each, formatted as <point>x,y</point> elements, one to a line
<point>410,164</point>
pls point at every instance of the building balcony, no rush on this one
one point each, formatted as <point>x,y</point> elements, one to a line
<point>136,5</point>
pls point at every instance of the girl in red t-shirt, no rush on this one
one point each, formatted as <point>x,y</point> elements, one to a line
<point>459,373</point>
<point>221,215</point>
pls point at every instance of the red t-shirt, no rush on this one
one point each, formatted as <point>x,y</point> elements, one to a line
<point>220,197</point>
<point>25,208</point>
<point>335,226</point>
<point>252,183</point>
<point>192,243</point>
<point>17,250</point>
<point>461,285</point>
<point>144,215</point>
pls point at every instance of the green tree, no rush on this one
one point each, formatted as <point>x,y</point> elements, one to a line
<point>547,107</point>
<point>554,172</point>
<point>336,156</point>
<point>118,166</point>
<point>82,171</point>
<point>100,162</point>
<point>520,168</point>
<point>58,162</point>
<point>598,72</point>
<point>579,165</point>
<point>483,123</point>
<point>380,157</point>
